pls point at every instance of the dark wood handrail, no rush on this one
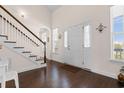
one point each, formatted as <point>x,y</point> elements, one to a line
<point>18,29</point>
<point>21,23</point>
<point>27,30</point>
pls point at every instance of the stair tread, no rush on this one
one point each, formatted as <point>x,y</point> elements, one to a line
<point>40,59</point>
<point>3,36</point>
<point>9,42</point>
<point>33,56</point>
<point>26,52</point>
<point>18,47</point>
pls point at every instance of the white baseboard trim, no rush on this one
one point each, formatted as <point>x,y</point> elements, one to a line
<point>114,76</point>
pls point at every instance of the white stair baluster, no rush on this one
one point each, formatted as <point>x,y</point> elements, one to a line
<point>20,39</point>
<point>15,31</point>
<point>26,41</point>
<point>5,27</point>
<point>17,37</point>
<point>7,33</point>
<point>12,31</point>
<point>0,25</point>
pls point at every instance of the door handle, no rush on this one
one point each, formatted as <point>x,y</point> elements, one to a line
<point>68,47</point>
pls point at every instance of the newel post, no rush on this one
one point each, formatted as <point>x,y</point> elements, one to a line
<point>44,52</point>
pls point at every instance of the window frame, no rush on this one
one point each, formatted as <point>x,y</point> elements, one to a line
<point>44,36</point>
<point>54,39</point>
<point>113,34</point>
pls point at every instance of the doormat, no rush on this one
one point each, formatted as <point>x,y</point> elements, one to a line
<point>71,68</point>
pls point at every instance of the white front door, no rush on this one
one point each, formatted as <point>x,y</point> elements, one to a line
<point>78,51</point>
<point>74,51</point>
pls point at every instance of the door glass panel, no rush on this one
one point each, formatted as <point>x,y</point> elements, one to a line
<point>65,39</point>
<point>87,36</point>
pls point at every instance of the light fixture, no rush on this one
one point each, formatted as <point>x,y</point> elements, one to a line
<point>101,27</point>
<point>22,14</point>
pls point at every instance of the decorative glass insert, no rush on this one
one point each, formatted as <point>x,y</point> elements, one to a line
<point>55,39</point>
<point>65,39</point>
<point>87,36</point>
<point>44,37</point>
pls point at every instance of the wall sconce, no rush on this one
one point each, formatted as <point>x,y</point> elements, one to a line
<point>101,27</point>
<point>22,14</point>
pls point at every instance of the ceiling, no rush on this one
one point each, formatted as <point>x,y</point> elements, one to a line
<point>52,8</point>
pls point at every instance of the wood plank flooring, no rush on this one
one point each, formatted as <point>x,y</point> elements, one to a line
<point>55,76</point>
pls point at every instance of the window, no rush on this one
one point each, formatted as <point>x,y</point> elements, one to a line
<point>65,39</point>
<point>44,37</point>
<point>55,39</point>
<point>118,37</point>
<point>87,36</point>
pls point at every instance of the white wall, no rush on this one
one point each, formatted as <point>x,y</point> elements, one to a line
<point>100,42</point>
<point>35,18</point>
<point>67,16</point>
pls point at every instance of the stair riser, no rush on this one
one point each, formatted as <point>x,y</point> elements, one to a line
<point>2,39</point>
<point>19,50</point>
<point>26,54</point>
<point>11,45</point>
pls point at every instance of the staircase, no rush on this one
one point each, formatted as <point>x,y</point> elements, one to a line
<point>18,38</point>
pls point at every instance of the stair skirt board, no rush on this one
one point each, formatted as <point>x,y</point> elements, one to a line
<point>35,64</point>
<point>28,69</point>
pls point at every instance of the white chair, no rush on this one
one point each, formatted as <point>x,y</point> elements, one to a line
<point>6,74</point>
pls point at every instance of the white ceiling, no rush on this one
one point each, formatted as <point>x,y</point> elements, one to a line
<point>52,8</point>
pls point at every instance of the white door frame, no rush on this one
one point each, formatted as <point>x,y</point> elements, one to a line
<point>88,66</point>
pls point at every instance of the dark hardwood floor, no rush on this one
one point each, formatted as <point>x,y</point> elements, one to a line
<point>58,76</point>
